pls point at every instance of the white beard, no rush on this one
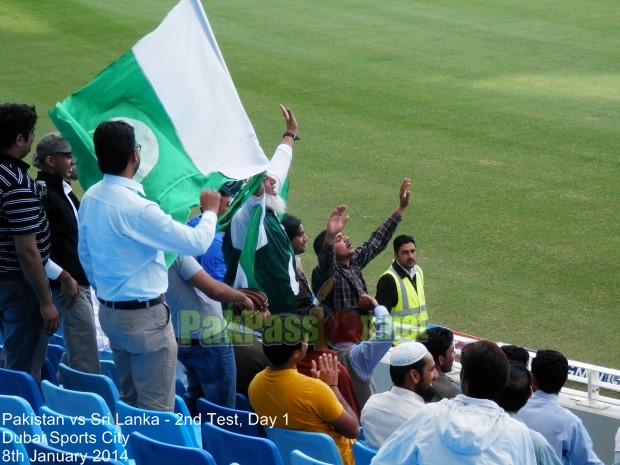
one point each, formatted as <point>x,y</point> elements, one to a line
<point>275,203</point>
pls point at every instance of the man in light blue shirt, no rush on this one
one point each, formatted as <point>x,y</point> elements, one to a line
<point>513,398</point>
<point>122,239</point>
<point>543,412</point>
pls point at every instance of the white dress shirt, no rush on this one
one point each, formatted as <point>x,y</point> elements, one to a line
<point>385,412</point>
<point>123,237</point>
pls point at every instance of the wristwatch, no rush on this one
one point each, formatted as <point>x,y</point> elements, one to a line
<point>291,135</point>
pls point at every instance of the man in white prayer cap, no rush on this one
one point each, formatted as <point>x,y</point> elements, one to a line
<point>412,370</point>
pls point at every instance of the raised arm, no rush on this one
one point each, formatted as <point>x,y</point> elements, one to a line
<point>380,238</point>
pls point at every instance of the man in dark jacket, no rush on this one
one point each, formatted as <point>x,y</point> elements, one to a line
<point>55,160</point>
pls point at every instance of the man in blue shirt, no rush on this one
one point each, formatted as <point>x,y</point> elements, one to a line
<point>543,412</point>
<point>122,239</point>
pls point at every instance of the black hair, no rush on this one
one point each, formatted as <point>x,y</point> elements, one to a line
<point>291,225</point>
<point>518,390</point>
<point>484,370</point>
<point>551,370</point>
<point>278,354</point>
<point>114,141</point>
<point>401,240</point>
<point>517,354</point>
<point>15,119</point>
<point>437,340</point>
<point>318,242</point>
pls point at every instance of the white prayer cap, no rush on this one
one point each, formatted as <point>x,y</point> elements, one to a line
<point>407,353</point>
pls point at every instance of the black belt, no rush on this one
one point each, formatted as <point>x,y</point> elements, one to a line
<point>192,342</point>
<point>133,304</point>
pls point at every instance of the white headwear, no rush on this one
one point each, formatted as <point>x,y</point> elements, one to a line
<point>407,353</point>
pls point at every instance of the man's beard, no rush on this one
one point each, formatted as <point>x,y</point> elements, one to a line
<point>275,203</point>
<point>426,393</point>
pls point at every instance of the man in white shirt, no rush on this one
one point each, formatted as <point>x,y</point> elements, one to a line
<point>469,429</point>
<point>122,239</point>
<point>412,370</point>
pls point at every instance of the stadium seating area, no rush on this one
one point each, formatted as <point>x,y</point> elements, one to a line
<point>84,419</point>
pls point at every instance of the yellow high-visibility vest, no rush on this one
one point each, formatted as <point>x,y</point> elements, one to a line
<point>409,314</point>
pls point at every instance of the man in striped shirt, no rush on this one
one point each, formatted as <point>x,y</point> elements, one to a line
<point>26,310</point>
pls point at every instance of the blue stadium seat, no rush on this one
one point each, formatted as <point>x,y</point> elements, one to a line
<point>48,455</point>
<point>18,408</point>
<point>147,451</point>
<point>227,447</point>
<point>88,382</point>
<point>317,445</point>
<point>362,454</point>
<point>299,458</point>
<point>242,402</point>
<point>74,403</point>
<point>246,424</point>
<point>19,383</point>
<point>107,368</point>
<point>93,437</point>
<point>11,449</point>
<point>161,426</point>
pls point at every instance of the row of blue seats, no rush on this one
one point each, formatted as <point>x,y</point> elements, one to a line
<point>146,451</point>
<point>88,404</point>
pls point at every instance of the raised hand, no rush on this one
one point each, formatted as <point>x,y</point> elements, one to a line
<point>336,223</point>
<point>404,196</point>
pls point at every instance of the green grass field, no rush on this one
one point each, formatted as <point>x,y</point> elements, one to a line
<point>505,115</point>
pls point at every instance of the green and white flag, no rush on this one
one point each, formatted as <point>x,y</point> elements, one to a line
<point>175,89</point>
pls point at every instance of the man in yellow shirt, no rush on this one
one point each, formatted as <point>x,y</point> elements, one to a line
<point>294,401</point>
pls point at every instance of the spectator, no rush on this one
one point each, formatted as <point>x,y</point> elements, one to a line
<point>297,235</point>
<point>204,348</point>
<point>440,343</point>
<point>55,160</point>
<point>212,261</point>
<point>122,238</point>
<point>513,398</point>
<point>338,258</point>
<point>247,340</point>
<point>274,261</point>
<point>358,353</point>
<point>317,348</point>
<point>469,429</point>
<point>412,370</point>
<point>517,354</point>
<point>304,403</point>
<point>26,308</point>
<point>543,412</point>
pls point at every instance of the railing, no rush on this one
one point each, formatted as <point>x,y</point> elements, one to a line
<point>593,378</point>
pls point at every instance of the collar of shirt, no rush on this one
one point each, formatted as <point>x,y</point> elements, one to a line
<point>546,397</point>
<point>125,182</point>
<point>462,398</point>
<point>411,273</point>
<point>402,392</point>
<point>9,159</point>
